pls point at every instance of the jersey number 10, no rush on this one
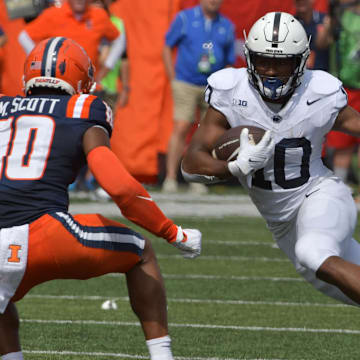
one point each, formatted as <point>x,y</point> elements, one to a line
<point>25,146</point>
<point>279,165</point>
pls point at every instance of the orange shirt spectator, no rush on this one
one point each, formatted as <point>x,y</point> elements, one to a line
<point>3,39</point>
<point>87,27</point>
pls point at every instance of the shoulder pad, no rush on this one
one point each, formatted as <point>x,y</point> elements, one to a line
<point>91,109</point>
<point>323,83</point>
<point>224,79</point>
<point>101,112</point>
<point>79,105</point>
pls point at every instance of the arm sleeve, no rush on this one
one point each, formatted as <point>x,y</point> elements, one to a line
<point>219,90</point>
<point>130,196</point>
<point>218,99</point>
<point>341,99</point>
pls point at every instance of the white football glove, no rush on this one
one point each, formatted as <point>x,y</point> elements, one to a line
<point>252,156</point>
<point>189,242</point>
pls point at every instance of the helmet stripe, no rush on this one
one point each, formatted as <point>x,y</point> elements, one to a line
<point>43,63</point>
<point>48,65</point>
<point>275,37</point>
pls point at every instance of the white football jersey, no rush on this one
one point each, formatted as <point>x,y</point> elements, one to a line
<point>299,129</point>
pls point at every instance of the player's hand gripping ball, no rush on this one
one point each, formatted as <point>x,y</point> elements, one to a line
<point>227,146</point>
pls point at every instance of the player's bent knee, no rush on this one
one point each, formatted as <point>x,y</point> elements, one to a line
<point>148,253</point>
<point>324,270</point>
<point>10,317</point>
<point>311,251</point>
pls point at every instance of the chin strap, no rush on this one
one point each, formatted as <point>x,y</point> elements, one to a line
<point>129,195</point>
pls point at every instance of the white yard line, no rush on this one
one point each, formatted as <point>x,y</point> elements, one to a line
<point>80,353</point>
<point>127,356</point>
<point>241,243</point>
<point>195,301</point>
<point>227,258</point>
<point>232,243</point>
<point>199,326</point>
<point>182,204</point>
<point>221,277</point>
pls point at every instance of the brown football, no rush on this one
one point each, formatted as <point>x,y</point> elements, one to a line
<point>227,146</point>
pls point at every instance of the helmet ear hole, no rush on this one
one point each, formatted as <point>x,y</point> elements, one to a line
<point>59,63</point>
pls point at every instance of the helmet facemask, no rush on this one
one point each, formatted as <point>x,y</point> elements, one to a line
<point>279,86</point>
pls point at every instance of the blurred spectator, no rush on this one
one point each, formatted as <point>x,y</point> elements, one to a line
<point>109,90</point>
<point>109,86</point>
<point>205,43</point>
<point>85,24</point>
<point>343,33</point>
<point>313,22</point>
<point>3,40</point>
<point>3,37</point>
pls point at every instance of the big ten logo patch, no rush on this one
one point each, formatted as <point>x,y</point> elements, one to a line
<point>239,102</point>
<point>14,253</point>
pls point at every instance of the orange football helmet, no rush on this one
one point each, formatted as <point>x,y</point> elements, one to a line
<point>60,63</point>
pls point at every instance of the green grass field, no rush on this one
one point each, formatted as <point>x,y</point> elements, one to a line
<point>240,300</point>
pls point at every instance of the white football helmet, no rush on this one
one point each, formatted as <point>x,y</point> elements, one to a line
<point>277,35</point>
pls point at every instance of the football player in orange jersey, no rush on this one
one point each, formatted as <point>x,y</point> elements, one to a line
<point>46,137</point>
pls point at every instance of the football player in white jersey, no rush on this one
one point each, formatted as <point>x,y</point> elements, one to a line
<point>309,211</point>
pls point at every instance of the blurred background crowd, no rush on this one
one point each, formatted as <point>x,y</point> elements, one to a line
<point>152,60</point>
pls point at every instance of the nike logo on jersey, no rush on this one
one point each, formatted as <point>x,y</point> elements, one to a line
<point>148,198</point>
<point>307,195</point>
<point>253,161</point>
<point>313,101</point>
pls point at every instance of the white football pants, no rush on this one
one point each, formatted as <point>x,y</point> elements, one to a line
<point>323,227</point>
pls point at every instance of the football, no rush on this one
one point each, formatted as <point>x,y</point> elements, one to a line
<point>227,146</point>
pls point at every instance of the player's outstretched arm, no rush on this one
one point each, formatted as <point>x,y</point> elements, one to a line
<point>131,197</point>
